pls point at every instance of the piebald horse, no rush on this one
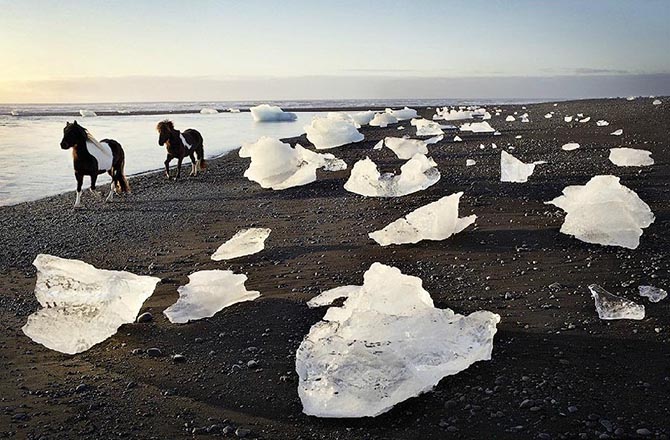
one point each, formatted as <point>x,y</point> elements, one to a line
<point>179,145</point>
<point>92,157</point>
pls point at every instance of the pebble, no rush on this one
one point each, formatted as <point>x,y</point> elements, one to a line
<point>242,432</point>
<point>178,358</point>
<point>643,431</point>
<point>154,352</point>
<point>145,317</point>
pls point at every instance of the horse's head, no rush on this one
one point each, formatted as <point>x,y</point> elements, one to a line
<point>165,129</point>
<point>73,135</point>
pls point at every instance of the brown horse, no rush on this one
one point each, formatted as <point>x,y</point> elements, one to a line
<point>91,158</point>
<point>179,145</point>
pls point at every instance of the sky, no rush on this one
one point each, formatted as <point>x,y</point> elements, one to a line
<point>94,51</point>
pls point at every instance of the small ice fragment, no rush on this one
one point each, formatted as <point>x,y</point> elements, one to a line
<point>233,110</point>
<point>209,111</point>
<point>434,139</point>
<point>383,120</point>
<point>417,174</point>
<point>630,98</point>
<point>329,296</point>
<point>630,157</point>
<point>400,128</point>
<point>271,113</point>
<point>655,294</point>
<point>602,123</point>
<point>458,139</point>
<point>403,114</point>
<point>244,242</point>
<point>604,212</point>
<point>406,148</point>
<point>568,119</point>
<point>518,136</point>
<point>435,221</point>
<point>87,113</point>
<point>585,120</point>
<point>513,170</point>
<point>656,102</point>
<point>610,306</point>
<point>208,292</point>
<point>477,127</point>
<point>570,146</point>
<point>363,118</point>
<point>470,162</point>
<point>510,118</point>
<point>379,145</point>
<point>618,132</point>
<point>548,116</point>
<point>424,127</point>
<point>81,305</point>
<point>332,131</point>
<point>452,115</point>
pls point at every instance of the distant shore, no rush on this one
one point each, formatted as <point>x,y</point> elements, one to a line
<point>557,370</point>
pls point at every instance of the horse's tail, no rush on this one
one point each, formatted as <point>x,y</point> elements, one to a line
<point>122,184</point>
<point>200,153</point>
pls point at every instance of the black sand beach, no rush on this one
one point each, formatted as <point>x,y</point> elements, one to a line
<point>557,372</point>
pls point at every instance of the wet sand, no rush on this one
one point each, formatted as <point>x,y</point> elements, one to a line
<point>557,370</point>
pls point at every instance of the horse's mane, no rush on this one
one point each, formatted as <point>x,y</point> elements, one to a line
<point>90,138</point>
<point>165,124</point>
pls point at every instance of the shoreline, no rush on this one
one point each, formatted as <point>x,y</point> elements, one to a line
<point>551,349</point>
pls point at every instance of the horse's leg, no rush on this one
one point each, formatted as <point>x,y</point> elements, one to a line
<point>111,187</point>
<point>80,182</point>
<point>179,159</point>
<point>167,165</point>
<point>194,169</point>
<point>94,178</point>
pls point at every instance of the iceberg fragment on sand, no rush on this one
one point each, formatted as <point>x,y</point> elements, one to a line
<point>424,127</point>
<point>630,157</point>
<point>82,305</point>
<point>655,294</point>
<point>271,113</point>
<point>209,111</point>
<point>329,296</point>
<point>277,165</point>
<point>604,212</point>
<point>417,174</point>
<point>363,118</point>
<point>570,146</point>
<point>567,118</point>
<point>618,132</point>
<point>610,306</point>
<point>477,127</point>
<point>470,162</point>
<point>402,114</point>
<point>510,118</point>
<point>585,120</point>
<point>244,242</point>
<point>208,292</point>
<point>602,123</point>
<point>387,343</point>
<point>88,113</point>
<point>332,131</point>
<point>513,170</point>
<point>452,115</point>
<point>435,221</point>
<point>383,120</point>
<point>657,102</point>
<point>406,148</point>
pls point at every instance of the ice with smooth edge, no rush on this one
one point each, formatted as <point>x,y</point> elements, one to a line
<point>208,292</point>
<point>379,145</point>
<point>477,127</point>
<point>610,306</point>
<point>363,118</point>
<point>417,174</point>
<point>88,113</point>
<point>513,170</point>
<point>244,242</point>
<point>332,131</point>
<point>604,212</point>
<point>277,165</point>
<point>386,344</point>
<point>452,115</point>
<point>383,119</point>
<point>435,221</point>
<point>402,114</point>
<point>406,148</point>
<point>329,296</point>
<point>458,139</point>
<point>570,146</point>
<point>209,111</point>
<point>585,120</point>
<point>568,119</point>
<point>618,132</point>
<point>271,113</point>
<point>630,157</point>
<point>655,294</point>
<point>424,127</point>
<point>82,305</point>
<point>602,123</point>
<point>510,118</point>
<point>656,102</point>
<point>470,162</point>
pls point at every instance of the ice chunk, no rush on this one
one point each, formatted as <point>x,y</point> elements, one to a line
<point>570,146</point>
<point>604,212</point>
<point>424,127</point>
<point>458,139</point>
<point>585,120</point>
<point>329,296</point>
<point>406,148</point>
<point>656,102</point>
<point>209,111</point>
<point>233,110</point>
<point>82,305</point>
<point>387,343</point>
<point>332,131</point>
<point>470,162</point>
<point>434,139</point>
<point>208,292</point>
<point>630,157</point>
<point>379,145</point>
<point>477,127</point>
<point>510,118</point>
<point>383,119</point>
<point>271,113</point>
<point>277,165</point>
<point>403,114</point>
<point>618,132</point>
<point>87,113</point>
<point>434,221</point>
<point>630,98</point>
<point>654,294</point>
<point>568,119</point>
<point>417,174</point>
<point>452,115</point>
<point>602,123</point>
<point>244,242</point>
<point>363,118</point>
<point>610,306</point>
<point>548,116</point>
<point>513,170</point>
